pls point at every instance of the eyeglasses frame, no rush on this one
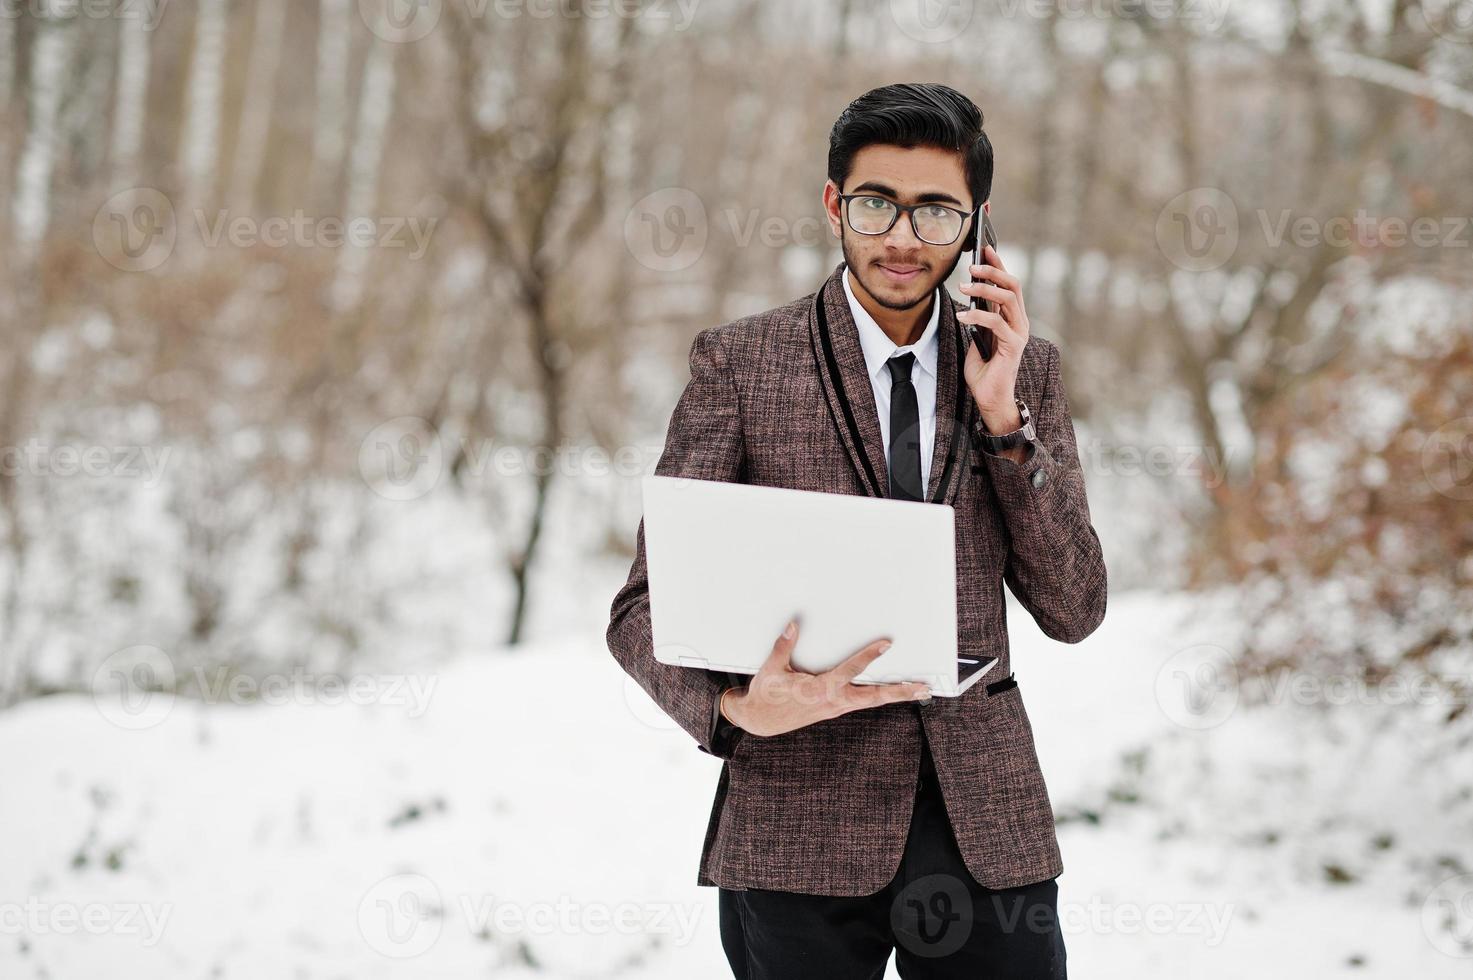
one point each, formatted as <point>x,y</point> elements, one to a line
<point>906,209</point>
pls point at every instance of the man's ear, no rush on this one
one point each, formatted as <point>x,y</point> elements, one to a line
<point>969,244</point>
<point>832,206</point>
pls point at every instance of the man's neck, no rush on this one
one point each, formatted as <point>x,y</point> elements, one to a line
<point>903,327</point>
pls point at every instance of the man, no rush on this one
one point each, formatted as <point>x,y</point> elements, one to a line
<point>853,820</point>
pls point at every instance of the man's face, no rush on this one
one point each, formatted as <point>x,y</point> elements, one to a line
<point>897,268</point>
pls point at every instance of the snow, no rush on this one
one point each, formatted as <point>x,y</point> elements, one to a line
<point>471,821</point>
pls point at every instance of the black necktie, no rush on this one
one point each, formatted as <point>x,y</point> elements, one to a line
<point>905,431</point>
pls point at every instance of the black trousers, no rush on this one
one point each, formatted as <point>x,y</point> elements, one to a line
<point>934,915</point>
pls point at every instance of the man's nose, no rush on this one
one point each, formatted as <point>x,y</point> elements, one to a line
<point>901,235</point>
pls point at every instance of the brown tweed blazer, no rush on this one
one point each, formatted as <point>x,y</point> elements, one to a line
<point>782,398</point>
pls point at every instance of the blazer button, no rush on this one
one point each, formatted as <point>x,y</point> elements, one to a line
<point>1038,479</point>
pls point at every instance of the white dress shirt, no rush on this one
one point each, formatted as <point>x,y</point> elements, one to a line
<point>879,348</point>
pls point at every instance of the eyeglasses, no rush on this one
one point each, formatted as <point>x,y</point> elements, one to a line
<point>934,224</point>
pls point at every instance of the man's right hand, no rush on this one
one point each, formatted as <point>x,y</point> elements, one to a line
<point>780,699</point>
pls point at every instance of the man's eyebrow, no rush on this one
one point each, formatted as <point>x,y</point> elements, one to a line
<point>926,197</point>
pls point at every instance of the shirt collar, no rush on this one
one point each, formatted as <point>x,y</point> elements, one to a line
<point>879,348</point>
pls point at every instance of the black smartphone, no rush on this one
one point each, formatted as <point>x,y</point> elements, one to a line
<point>980,335</point>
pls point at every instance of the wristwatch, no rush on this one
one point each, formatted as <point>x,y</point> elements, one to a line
<point>1011,440</point>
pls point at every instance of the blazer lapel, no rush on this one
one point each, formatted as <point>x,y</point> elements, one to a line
<point>953,403</point>
<point>846,384</point>
<point>851,399</point>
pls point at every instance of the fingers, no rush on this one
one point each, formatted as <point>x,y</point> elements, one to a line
<point>1006,333</point>
<point>874,695</point>
<point>859,662</point>
<point>995,273</point>
<point>1008,302</point>
<point>781,657</point>
<point>994,261</point>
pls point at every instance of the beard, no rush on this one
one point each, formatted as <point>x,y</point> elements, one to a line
<point>909,296</point>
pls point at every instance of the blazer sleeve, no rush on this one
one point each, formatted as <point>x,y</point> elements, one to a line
<point>1054,566</point>
<point>704,442</point>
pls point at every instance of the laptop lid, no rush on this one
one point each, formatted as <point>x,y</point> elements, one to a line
<point>729,564</point>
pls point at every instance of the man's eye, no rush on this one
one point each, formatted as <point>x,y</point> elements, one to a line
<point>875,203</point>
<point>934,211</point>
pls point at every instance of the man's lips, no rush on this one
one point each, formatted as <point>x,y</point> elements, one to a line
<point>900,273</point>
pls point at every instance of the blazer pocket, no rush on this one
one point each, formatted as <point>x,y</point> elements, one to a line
<point>1008,683</point>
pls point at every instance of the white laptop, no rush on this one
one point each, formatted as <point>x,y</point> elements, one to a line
<point>729,564</point>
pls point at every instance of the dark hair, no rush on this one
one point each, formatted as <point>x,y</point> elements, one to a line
<point>914,114</point>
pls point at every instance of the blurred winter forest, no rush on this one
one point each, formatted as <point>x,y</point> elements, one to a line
<point>282,279</point>
<point>335,335</point>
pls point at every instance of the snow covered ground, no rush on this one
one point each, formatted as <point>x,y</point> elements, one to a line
<point>465,822</point>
